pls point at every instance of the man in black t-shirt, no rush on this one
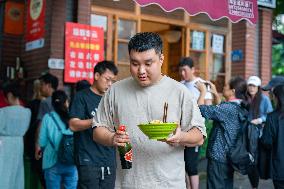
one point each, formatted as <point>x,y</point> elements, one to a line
<point>96,163</point>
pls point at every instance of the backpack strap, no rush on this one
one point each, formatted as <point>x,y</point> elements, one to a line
<point>58,127</point>
<point>55,121</point>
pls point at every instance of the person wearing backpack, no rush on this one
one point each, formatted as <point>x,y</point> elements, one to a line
<point>259,107</point>
<point>273,138</point>
<point>54,134</point>
<point>226,123</point>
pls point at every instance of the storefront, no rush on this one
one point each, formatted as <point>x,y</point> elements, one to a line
<point>207,42</point>
<point>220,48</point>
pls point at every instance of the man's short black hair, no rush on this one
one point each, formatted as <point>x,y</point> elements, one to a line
<point>105,65</point>
<point>186,61</point>
<point>145,41</point>
<point>50,79</point>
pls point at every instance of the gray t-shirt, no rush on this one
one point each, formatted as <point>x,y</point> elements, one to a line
<point>155,164</point>
<point>44,107</point>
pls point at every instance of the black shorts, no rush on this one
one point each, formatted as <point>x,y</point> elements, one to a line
<point>191,158</point>
<point>96,177</point>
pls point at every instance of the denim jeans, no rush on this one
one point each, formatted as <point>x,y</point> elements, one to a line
<point>61,175</point>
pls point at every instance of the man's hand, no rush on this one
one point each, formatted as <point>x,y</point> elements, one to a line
<point>191,138</point>
<point>256,121</point>
<point>120,138</point>
<point>38,152</point>
<point>175,139</point>
<point>201,87</point>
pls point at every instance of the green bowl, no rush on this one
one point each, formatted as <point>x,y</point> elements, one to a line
<point>158,130</point>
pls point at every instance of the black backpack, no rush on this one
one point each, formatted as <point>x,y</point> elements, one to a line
<point>65,151</point>
<point>242,154</point>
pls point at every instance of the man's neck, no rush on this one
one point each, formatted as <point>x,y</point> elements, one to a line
<point>191,79</point>
<point>94,89</point>
<point>50,93</point>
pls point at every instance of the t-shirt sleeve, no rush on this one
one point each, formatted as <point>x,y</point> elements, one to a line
<point>214,112</point>
<point>104,116</point>
<point>43,109</point>
<point>191,116</point>
<point>77,108</point>
<point>43,134</point>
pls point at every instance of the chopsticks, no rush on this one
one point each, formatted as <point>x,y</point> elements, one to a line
<point>165,115</point>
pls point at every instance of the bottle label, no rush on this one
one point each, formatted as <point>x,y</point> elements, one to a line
<point>128,156</point>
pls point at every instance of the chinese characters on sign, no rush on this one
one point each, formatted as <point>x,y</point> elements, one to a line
<point>217,43</point>
<point>84,48</point>
<point>35,24</point>
<point>198,40</point>
<point>241,8</point>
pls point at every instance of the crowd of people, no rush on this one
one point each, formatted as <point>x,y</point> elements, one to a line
<point>89,120</point>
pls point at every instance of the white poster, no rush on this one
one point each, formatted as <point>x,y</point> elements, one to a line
<point>217,43</point>
<point>198,39</point>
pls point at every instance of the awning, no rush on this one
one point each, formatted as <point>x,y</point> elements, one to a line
<point>235,10</point>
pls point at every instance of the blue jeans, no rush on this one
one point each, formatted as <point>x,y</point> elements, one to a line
<point>60,174</point>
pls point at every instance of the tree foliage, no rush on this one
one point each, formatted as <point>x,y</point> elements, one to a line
<point>278,50</point>
<point>278,59</point>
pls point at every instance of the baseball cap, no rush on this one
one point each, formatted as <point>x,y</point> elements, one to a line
<point>254,80</point>
<point>278,80</point>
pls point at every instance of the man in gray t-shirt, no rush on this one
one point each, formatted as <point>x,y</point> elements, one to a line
<point>140,99</point>
<point>48,84</point>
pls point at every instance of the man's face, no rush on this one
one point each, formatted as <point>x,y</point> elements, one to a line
<point>104,81</point>
<point>44,88</point>
<point>145,67</point>
<point>186,73</point>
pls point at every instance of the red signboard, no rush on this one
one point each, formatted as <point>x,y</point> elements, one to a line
<point>35,20</point>
<point>84,48</point>
<point>14,18</point>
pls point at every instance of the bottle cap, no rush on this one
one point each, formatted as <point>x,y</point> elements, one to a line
<point>122,128</point>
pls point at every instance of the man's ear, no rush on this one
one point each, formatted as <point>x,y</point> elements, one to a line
<point>162,59</point>
<point>96,76</point>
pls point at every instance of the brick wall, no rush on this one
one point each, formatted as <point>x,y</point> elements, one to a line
<point>244,36</point>
<point>250,37</point>
<point>265,45</point>
<point>57,42</point>
<point>239,43</point>
<point>35,61</point>
<point>84,11</point>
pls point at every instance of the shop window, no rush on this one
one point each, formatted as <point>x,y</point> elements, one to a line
<point>198,52</point>
<point>217,66</point>
<point>101,21</point>
<point>199,63</point>
<point>197,41</point>
<point>126,29</point>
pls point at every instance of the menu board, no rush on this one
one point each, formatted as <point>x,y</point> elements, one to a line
<point>84,48</point>
<point>217,43</point>
<point>198,40</point>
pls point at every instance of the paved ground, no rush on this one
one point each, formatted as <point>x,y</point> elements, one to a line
<point>240,181</point>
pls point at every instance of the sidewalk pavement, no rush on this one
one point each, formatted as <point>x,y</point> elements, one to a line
<point>240,181</point>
